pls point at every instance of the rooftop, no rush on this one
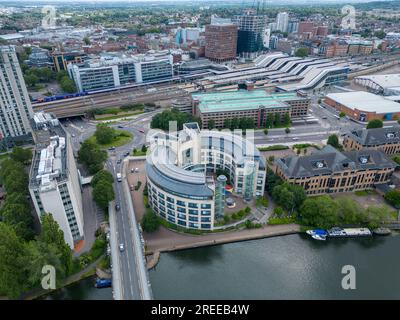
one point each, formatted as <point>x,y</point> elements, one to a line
<point>365,101</point>
<point>329,160</point>
<point>384,80</point>
<point>242,100</point>
<point>378,136</point>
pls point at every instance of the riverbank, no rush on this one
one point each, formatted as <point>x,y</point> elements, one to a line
<point>89,271</point>
<point>165,240</point>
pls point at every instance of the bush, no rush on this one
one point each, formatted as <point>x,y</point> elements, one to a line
<point>150,222</point>
<point>376,123</point>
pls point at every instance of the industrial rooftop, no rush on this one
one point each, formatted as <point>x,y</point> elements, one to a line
<point>242,100</point>
<point>365,101</point>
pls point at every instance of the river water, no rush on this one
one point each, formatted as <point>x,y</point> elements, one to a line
<point>288,267</point>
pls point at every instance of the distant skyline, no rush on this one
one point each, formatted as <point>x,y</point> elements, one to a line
<point>197,1</point>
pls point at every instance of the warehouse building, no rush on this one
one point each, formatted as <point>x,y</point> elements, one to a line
<point>363,106</point>
<point>385,84</point>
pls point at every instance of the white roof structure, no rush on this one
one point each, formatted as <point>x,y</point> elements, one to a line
<point>384,80</point>
<point>365,101</point>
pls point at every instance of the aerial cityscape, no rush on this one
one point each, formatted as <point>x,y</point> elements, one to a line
<point>208,150</point>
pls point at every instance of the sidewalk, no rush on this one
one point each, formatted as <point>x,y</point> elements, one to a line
<point>167,240</point>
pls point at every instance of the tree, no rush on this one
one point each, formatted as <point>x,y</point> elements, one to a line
<point>162,120</point>
<point>13,263</point>
<point>51,234</point>
<point>393,197</point>
<point>342,114</point>
<point>320,212</point>
<point>380,34</point>
<point>104,133</point>
<point>277,119</point>
<point>265,131</point>
<point>92,156</point>
<point>150,222</point>
<point>211,124</point>
<point>301,52</point>
<point>86,40</point>
<point>144,148</point>
<point>68,85</point>
<point>287,130</point>
<point>269,121</point>
<point>286,119</point>
<point>102,175</point>
<point>31,80</point>
<point>103,193</point>
<point>376,123</point>
<point>333,140</point>
<point>289,196</point>
<point>23,155</point>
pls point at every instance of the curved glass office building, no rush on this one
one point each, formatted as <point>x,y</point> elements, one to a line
<point>182,174</point>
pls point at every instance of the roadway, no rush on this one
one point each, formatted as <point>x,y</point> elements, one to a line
<point>130,261</point>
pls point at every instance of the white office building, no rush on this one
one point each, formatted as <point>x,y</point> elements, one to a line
<point>15,106</point>
<point>116,71</point>
<point>282,21</point>
<point>185,186</point>
<point>54,181</point>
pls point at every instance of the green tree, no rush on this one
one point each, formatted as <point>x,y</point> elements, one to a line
<point>31,80</point>
<point>104,133</point>
<point>13,263</point>
<point>103,193</point>
<point>289,196</point>
<point>301,52</point>
<point>86,40</point>
<point>393,197</point>
<point>265,131</point>
<point>320,212</point>
<point>51,234</point>
<point>144,148</point>
<point>150,222</point>
<point>211,124</point>
<point>287,130</point>
<point>68,85</point>
<point>269,121</point>
<point>92,156</point>
<point>102,175</point>
<point>23,155</point>
<point>333,140</point>
<point>286,119</point>
<point>277,119</point>
<point>342,114</point>
<point>376,123</point>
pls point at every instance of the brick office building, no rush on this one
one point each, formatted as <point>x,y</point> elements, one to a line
<point>221,42</point>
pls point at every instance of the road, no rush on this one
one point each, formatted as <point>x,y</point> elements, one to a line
<point>130,273</point>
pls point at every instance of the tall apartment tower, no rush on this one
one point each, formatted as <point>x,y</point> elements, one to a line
<point>15,106</point>
<point>221,40</point>
<point>250,34</point>
<point>282,21</point>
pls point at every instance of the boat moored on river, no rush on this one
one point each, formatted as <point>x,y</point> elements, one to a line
<point>337,232</point>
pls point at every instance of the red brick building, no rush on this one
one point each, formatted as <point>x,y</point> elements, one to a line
<point>221,42</point>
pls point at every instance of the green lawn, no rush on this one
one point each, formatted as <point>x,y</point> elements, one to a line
<point>119,116</point>
<point>139,153</point>
<point>364,193</point>
<point>273,148</point>
<point>122,137</point>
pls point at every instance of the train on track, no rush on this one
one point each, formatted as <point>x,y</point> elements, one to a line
<point>85,93</point>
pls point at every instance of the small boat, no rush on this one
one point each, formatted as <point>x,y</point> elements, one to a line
<point>382,231</point>
<point>318,237</point>
<point>317,234</point>
<point>337,232</point>
<point>102,283</point>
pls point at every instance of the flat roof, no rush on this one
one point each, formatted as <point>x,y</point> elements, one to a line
<point>384,80</point>
<point>242,100</point>
<point>365,101</point>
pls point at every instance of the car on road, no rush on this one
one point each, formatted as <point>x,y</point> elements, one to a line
<point>324,117</point>
<point>117,207</point>
<point>121,247</point>
<point>118,161</point>
<point>73,135</point>
<point>120,127</point>
<point>111,148</point>
<point>295,138</point>
<point>141,130</point>
<point>126,154</point>
<point>136,170</point>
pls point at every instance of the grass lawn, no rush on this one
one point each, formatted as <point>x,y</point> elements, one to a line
<point>122,137</point>
<point>119,116</point>
<point>139,153</point>
<point>273,148</point>
<point>364,193</point>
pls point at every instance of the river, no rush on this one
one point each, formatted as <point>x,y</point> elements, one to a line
<point>288,267</point>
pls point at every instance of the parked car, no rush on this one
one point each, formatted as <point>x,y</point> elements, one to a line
<point>121,247</point>
<point>117,207</point>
